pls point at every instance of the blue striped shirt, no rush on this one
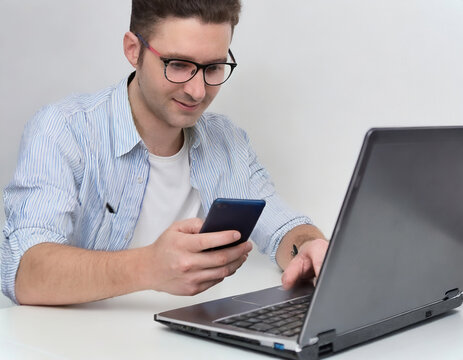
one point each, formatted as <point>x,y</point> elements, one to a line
<point>83,168</point>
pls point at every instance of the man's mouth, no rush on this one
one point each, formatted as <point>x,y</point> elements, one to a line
<point>186,106</point>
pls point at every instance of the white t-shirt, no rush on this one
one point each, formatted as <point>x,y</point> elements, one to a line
<point>169,197</point>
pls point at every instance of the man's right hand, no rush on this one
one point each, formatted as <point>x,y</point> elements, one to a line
<point>56,274</point>
<point>176,263</point>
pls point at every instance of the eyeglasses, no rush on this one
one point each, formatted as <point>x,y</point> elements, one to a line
<point>179,71</point>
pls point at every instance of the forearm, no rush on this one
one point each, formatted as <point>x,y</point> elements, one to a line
<point>297,236</point>
<point>54,274</point>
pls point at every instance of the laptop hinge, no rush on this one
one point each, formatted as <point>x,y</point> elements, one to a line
<point>325,342</point>
<point>452,293</point>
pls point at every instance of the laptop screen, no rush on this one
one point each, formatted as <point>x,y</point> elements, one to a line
<point>398,241</point>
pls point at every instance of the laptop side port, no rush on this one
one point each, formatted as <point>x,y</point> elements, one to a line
<point>325,349</point>
<point>203,332</point>
<point>238,338</point>
<point>278,346</point>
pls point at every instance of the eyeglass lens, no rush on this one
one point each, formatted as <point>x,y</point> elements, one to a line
<point>182,71</point>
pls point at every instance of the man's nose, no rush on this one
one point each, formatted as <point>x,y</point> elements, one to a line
<point>196,87</point>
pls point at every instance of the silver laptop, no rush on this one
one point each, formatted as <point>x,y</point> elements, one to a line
<point>394,259</point>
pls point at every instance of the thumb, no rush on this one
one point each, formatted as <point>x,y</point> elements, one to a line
<point>189,226</point>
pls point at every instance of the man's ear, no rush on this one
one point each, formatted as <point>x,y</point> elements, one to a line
<point>131,48</point>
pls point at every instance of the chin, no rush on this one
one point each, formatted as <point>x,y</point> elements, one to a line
<point>185,123</point>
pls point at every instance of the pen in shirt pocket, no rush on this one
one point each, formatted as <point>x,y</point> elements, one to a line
<point>109,208</point>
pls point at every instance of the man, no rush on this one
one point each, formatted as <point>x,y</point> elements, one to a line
<point>108,189</point>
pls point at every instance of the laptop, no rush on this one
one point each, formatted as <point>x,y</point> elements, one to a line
<point>394,259</point>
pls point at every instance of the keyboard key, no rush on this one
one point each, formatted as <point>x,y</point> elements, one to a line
<point>261,327</point>
<point>289,326</point>
<point>291,332</point>
<point>302,300</point>
<point>276,318</point>
<point>243,324</point>
<point>281,323</point>
<point>262,317</point>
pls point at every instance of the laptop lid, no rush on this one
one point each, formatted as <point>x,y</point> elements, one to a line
<point>398,243</point>
<point>394,258</point>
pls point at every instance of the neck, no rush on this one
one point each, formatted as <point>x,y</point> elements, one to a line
<point>160,138</point>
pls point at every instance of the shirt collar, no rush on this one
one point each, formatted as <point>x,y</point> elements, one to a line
<point>193,134</point>
<point>125,134</point>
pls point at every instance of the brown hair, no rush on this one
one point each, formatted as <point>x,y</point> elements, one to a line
<point>147,13</point>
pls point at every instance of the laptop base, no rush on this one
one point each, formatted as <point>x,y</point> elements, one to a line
<point>329,342</point>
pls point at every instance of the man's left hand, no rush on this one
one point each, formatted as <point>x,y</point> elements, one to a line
<point>306,264</point>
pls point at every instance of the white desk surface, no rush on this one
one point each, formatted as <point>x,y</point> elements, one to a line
<point>123,328</point>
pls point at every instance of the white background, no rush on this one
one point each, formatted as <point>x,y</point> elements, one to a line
<point>313,76</point>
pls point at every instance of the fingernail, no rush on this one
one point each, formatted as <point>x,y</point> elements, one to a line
<point>236,235</point>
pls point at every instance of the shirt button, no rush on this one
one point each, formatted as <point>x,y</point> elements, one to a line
<point>140,180</point>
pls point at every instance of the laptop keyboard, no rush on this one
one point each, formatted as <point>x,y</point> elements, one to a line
<point>284,319</point>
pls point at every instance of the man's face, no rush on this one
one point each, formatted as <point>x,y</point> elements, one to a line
<point>180,105</point>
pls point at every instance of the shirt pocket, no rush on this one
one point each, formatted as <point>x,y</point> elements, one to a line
<point>103,236</point>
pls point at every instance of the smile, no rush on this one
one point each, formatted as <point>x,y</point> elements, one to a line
<point>186,106</point>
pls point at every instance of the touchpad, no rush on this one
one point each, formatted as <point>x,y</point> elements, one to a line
<point>274,295</point>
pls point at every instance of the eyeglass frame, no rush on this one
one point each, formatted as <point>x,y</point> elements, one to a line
<point>166,62</point>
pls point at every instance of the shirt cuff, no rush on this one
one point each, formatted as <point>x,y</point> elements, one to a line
<point>14,247</point>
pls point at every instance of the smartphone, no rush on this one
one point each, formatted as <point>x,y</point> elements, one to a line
<point>233,214</point>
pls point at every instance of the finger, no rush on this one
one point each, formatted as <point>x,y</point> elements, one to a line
<point>205,241</point>
<point>213,259</point>
<point>315,251</point>
<point>219,273</point>
<point>204,286</point>
<point>195,262</point>
<point>188,226</point>
<point>293,272</point>
<point>317,267</point>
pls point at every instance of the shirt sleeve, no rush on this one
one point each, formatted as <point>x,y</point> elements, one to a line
<point>277,218</point>
<point>41,200</point>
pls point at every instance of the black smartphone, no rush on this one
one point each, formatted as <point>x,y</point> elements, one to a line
<point>233,214</point>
